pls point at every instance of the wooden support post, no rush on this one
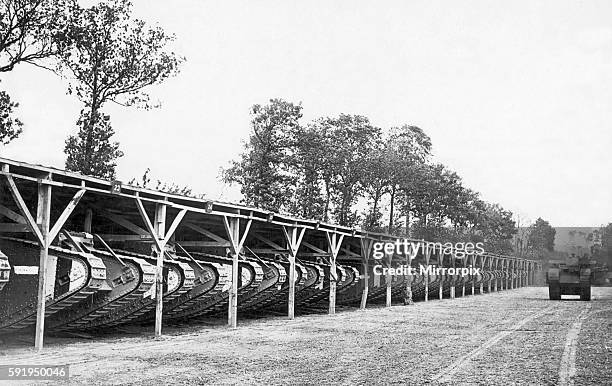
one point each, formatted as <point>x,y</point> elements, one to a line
<point>160,237</point>
<point>496,267</point>
<point>232,227</point>
<point>160,233</point>
<point>427,257</point>
<point>234,234</point>
<point>473,276</point>
<point>453,280</point>
<point>527,273</point>
<point>482,266</point>
<point>409,279</point>
<point>441,289</point>
<point>502,278</point>
<point>388,281</point>
<point>293,244</point>
<point>366,247</point>
<point>43,221</point>
<point>516,274</point>
<point>507,277</point>
<point>291,297</point>
<point>490,261</point>
<point>508,274</point>
<point>465,263</point>
<point>334,242</point>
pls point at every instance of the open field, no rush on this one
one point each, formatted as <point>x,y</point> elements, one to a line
<point>516,336</point>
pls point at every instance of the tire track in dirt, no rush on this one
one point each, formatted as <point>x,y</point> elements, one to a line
<point>445,375</point>
<point>567,369</point>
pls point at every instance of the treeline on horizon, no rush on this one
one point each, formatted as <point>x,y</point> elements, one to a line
<point>348,171</point>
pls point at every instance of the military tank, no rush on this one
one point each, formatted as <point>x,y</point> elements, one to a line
<point>570,277</point>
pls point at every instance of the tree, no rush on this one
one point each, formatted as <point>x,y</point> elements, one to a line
<point>606,245</point>
<point>308,157</point>
<point>497,229</point>
<point>521,240</point>
<point>10,127</point>
<point>112,57</point>
<point>409,149</point>
<point>99,158</point>
<point>31,30</point>
<point>378,176</point>
<point>541,238</point>
<point>349,141</point>
<point>264,169</point>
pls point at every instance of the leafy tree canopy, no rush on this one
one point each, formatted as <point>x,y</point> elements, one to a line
<point>10,126</point>
<point>112,57</point>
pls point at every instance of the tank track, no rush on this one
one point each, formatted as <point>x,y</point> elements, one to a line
<point>76,277</point>
<point>127,285</point>
<point>281,298</point>
<point>178,277</point>
<point>216,302</point>
<point>345,279</point>
<point>277,278</point>
<point>203,296</point>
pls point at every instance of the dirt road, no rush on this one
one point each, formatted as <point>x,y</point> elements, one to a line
<point>512,337</point>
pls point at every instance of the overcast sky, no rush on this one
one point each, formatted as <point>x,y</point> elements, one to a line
<point>516,95</point>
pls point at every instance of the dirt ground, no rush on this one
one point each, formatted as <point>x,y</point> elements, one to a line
<point>510,337</point>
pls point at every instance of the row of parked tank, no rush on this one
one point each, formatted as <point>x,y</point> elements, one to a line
<point>92,288</point>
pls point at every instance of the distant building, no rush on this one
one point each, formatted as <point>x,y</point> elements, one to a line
<point>576,240</point>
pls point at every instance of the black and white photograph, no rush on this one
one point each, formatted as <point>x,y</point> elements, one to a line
<point>397,192</point>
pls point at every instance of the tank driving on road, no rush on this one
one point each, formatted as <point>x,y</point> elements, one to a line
<point>570,277</point>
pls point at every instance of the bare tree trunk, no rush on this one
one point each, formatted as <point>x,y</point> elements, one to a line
<point>327,198</point>
<point>391,214</point>
<point>375,208</point>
